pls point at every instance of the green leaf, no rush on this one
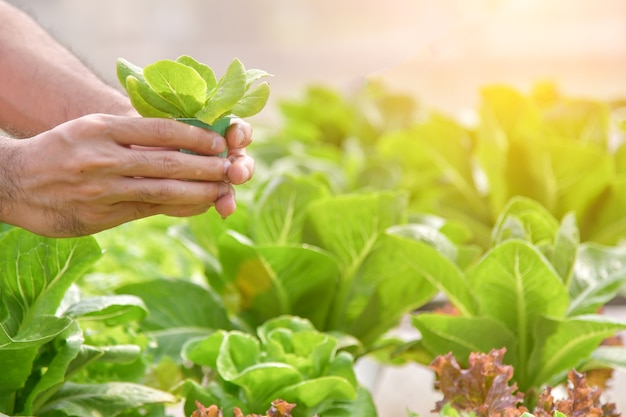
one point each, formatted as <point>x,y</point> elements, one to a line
<point>308,276</point>
<point>206,350</point>
<point>315,391</point>
<point>358,220</point>
<point>598,276</point>
<point>524,218</point>
<point>516,285</point>
<point>125,69</point>
<point>230,88</point>
<point>565,248</point>
<point>442,334</point>
<point>565,344</point>
<point>253,75</point>
<point>147,102</point>
<point>253,101</point>
<point>179,310</point>
<point>279,211</point>
<point>180,85</point>
<point>393,280</point>
<point>62,355</point>
<point>250,281</point>
<point>35,273</point>
<point>113,310</point>
<point>205,71</point>
<point>109,399</point>
<point>421,251</point>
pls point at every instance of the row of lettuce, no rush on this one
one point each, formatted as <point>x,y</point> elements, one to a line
<point>363,211</point>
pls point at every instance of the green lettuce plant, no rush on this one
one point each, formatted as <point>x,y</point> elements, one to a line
<point>566,153</point>
<point>187,90</point>
<point>287,359</point>
<point>298,249</point>
<point>536,292</point>
<point>45,354</point>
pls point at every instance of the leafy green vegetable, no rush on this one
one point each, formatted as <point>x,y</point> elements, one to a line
<point>536,292</point>
<point>186,88</point>
<point>42,345</point>
<point>289,359</point>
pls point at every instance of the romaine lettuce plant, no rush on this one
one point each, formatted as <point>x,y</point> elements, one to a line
<point>287,359</point>
<point>566,153</point>
<point>536,292</point>
<point>298,249</point>
<point>43,348</point>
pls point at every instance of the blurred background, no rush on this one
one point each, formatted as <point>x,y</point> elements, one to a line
<point>442,51</point>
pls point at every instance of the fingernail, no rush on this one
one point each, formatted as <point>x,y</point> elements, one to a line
<point>217,140</point>
<point>227,165</point>
<point>224,189</point>
<point>239,137</point>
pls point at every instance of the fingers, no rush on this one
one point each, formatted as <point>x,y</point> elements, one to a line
<point>173,165</point>
<point>165,133</point>
<point>239,134</point>
<point>169,192</point>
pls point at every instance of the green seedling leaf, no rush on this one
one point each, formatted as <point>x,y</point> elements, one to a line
<point>229,90</point>
<point>125,69</point>
<point>188,89</point>
<point>179,84</point>
<point>147,102</point>
<point>253,75</point>
<point>205,71</point>
<point>253,101</point>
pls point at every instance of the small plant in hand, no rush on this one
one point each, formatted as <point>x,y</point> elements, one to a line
<point>189,91</point>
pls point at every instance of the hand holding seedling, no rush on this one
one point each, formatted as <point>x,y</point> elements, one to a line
<point>100,171</point>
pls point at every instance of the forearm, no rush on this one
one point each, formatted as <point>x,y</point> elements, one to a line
<point>42,84</point>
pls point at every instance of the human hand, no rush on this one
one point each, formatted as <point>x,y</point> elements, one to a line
<point>99,171</point>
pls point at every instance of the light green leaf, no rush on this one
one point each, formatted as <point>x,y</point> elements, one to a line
<point>62,354</point>
<point>442,334</point>
<point>524,218</point>
<point>109,399</point>
<point>125,69</point>
<point>565,248</point>
<point>253,75</point>
<point>177,83</point>
<point>113,310</point>
<point>230,88</point>
<point>307,275</point>
<point>147,102</point>
<point>35,274</point>
<point>314,392</point>
<point>205,71</point>
<point>279,211</point>
<point>394,279</point>
<point>516,285</point>
<point>599,273</point>
<point>423,254</point>
<point>179,310</point>
<point>253,101</point>
<point>564,345</point>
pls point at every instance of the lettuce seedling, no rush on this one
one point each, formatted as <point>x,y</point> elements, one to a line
<point>189,91</point>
